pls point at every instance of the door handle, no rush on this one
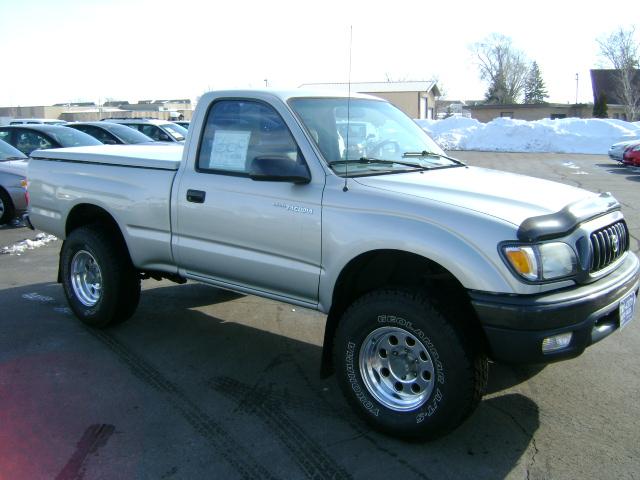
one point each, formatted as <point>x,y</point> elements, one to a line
<point>196,196</point>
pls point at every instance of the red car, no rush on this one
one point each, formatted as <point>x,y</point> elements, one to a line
<point>631,156</point>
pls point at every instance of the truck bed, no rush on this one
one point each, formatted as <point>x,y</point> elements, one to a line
<point>161,156</point>
<point>131,182</point>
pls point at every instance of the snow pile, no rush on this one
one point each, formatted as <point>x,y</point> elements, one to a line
<point>567,135</point>
<point>41,240</point>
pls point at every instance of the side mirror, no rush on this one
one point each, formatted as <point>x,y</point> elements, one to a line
<point>278,169</point>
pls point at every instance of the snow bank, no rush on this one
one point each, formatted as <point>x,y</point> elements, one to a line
<point>567,135</point>
<point>20,247</point>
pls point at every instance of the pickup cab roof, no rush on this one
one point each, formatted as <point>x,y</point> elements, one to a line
<point>286,95</point>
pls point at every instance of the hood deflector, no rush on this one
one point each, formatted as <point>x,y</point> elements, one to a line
<point>562,223</point>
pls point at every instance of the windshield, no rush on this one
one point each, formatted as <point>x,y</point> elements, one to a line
<point>367,135</point>
<point>176,131</point>
<point>7,152</point>
<point>69,137</point>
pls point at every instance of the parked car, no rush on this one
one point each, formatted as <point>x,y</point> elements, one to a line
<point>183,124</point>
<point>632,155</point>
<point>158,130</point>
<point>28,138</point>
<point>111,133</point>
<point>425,267</point>
<point>36,121</point>
<point>13,182</point>
<point>616,151</point>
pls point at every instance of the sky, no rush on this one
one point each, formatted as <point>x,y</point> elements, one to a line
<point>92,50</point>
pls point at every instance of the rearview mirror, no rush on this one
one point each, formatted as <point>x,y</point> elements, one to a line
<point>278,169</point>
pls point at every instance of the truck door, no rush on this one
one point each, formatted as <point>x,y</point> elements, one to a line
<point>261,236</point>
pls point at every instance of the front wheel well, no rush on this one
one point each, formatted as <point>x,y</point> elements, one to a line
<point>404,270</point>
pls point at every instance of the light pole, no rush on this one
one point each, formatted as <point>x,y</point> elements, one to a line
<point>576,88</point>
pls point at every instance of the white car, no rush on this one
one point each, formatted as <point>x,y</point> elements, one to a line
<point>36,121</point>
<point>158,130</point>
<point>616,151</point>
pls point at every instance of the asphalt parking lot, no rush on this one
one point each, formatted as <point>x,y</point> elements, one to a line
<point>203,383</point>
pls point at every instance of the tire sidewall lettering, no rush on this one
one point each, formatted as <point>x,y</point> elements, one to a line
<point>370,405</point>
<point>352,377</point>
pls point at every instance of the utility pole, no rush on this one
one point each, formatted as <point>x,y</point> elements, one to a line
<point>576,88</point>
<point>266,82</point>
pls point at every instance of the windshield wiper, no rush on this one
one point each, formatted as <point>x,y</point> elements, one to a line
<point>425,153</point>
<point>15,158</point>
<point>368,160</point>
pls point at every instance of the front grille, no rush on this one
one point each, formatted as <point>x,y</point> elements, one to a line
<point>607,245</point>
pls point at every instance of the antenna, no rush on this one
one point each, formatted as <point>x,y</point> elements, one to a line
<point>346,165</point>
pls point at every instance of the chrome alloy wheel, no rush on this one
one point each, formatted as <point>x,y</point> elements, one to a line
<point>86,278</point>
<point>2,207</point>
<point>397,368</point>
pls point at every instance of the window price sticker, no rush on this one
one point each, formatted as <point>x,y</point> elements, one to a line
<point>229,150</point>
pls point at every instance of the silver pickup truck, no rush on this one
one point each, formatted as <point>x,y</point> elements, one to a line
<point>426,268</point>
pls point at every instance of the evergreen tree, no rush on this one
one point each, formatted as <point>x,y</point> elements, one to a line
<point>535,90</point>
<point>600,107</point>
<point>497,91</point>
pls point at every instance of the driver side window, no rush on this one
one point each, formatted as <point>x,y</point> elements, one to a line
<point>27,142</point>
<point>239,131</point>
<point>154,132</point>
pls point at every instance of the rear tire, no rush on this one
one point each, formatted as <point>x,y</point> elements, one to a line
<point>7,210</point>
<point>99,280</point>
<point>407,369</point>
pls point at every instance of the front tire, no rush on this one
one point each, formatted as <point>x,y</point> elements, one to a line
<point>407,369</point>
<point>99,280</point>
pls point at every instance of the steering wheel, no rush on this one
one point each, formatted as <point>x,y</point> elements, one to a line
<point>385,146</point>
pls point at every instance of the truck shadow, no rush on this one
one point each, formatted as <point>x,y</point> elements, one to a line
<point>503,377</point>
<point>233,371</point>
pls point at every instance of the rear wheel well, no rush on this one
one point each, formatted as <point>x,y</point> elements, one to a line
<point>87,214</point>
<point>397,269</point>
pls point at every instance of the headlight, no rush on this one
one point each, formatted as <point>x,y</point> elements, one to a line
<point>538,263</point>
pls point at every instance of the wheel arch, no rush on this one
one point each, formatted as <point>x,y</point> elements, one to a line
<point>376,269</point>
<point>85,214</point>
<point>9,207</point>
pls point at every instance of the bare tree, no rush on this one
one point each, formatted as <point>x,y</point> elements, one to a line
<point>503,66</point>
<point>621,50</point>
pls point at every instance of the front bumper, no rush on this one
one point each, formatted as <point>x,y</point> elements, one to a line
<point>516,325</point>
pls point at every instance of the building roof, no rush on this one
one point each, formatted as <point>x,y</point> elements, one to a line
<point>519,106</point>
<point>74,104</point>
<point>379,87</point>
<point>160,102</point>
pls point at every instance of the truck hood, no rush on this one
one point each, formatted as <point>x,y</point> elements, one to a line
<point>507,196</point>
<point>16,167</point>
